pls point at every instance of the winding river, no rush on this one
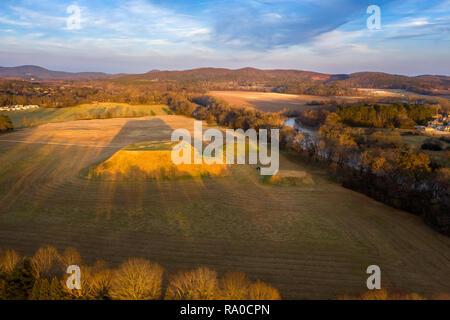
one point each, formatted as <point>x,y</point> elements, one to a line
<point>291,123</point>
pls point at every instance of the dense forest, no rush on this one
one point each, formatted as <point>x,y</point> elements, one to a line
<point>71,93</point>
<point>68,94</point>
<point>398,115</point>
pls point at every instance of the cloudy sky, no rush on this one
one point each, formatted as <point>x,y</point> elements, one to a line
<point>136,36</point>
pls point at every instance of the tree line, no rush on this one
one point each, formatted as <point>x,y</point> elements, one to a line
<point>397,115</point>
<point>60,94</point>
<point>377,164</point>
<point>218,111</point>
<point>385,294</point>
<point>43,277</point>
<point>382,166</point>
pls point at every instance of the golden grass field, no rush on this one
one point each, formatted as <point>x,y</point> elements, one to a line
<point>310,240</point>
<point>290,177</point>
<point>270,101</point>
<point>83,112</point>
<point>153,161</point>
<point>390,93</point>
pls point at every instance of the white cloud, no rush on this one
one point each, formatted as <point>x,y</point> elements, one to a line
<point>34,18</point>
<point>14,22</point>
<point>409,23</point>
<point>342,42</point>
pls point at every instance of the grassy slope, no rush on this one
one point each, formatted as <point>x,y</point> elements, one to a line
<point>149,160</point>
<point>84,111</point>
<point>310,241</point>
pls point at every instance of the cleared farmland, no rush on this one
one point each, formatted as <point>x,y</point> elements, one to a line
<point>312,240</point>
<point>83,112</point>
<point>272,102</point>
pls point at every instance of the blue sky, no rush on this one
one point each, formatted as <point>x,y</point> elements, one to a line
<point>136,36</point>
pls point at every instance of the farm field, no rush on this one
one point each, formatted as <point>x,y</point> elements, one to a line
<point>391,93</point>
<point>312,240</point>
<point>441,157</point>
<point>415,142</point>
<point>269,101</point>
<point>40,116</point>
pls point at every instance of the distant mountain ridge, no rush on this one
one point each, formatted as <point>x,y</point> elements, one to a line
<point>428,84</point>
<point>209,74</point>
<point>39,73</point>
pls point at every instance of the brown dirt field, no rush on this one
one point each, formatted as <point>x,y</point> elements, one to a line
<point>269,101</point>
<point>309,241</point>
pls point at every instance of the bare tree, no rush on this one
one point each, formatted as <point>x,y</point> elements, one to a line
<point>234,286</point>
<point>261,291</point>
<point>137,279</point>
<point>8,260</point>
<point>199,284</point>
<point>69,257</point>
<point>45,262</point>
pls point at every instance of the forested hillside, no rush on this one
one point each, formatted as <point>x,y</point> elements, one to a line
<point>282,81</point>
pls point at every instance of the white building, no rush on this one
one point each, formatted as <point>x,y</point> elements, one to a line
<point>19,107</point>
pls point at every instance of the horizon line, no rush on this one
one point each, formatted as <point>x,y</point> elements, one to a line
<point>223,68</point>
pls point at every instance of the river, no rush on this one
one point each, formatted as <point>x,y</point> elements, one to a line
<point>291,123</point>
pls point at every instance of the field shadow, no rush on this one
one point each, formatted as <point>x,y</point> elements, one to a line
<point>135,131</point>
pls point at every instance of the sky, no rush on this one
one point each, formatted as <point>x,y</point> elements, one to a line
<point>136,36</point>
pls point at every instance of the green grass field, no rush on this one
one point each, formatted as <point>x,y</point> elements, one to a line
<point>312,240</point>
<point>440,157</point>
<point>151,146</point>
<point>415,142</point>
<point>83,112</point>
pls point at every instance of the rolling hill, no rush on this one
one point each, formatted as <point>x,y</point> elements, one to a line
<point>220,74</point>
<point>425,84</point>
<point>286,81</point>
<point>34,72</point>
